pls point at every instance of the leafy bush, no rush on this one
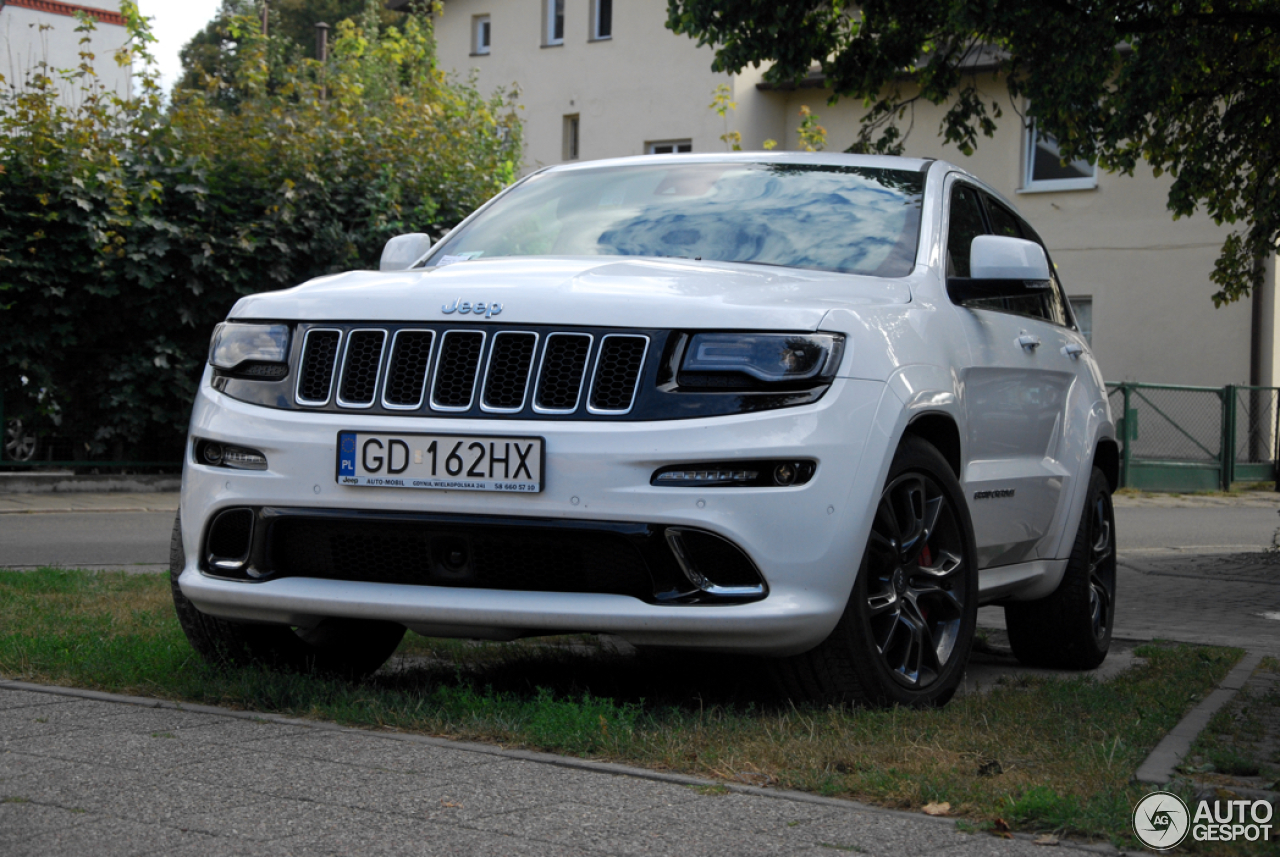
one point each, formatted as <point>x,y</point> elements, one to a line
<point>128,228</point>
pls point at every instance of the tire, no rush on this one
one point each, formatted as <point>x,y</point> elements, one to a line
<point>347,648</point>
<point>1071,629</point>
<point>906,631</point>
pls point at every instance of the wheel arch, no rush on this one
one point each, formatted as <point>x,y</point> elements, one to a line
<point>941,431</point>
<point>1106,457</point>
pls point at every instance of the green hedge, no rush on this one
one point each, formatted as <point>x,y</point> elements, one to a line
<point>129,227</point>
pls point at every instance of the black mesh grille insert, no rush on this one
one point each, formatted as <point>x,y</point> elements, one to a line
<point>509,363</point>
<point>360,370</point>
<point>718,560</point>
<point>617,372</point>
<point>563,367</point>
<point>315,375</point>
<point>407,368</point>
<point>456,369</point>
<point>527,559</point>
<point>230,533</point>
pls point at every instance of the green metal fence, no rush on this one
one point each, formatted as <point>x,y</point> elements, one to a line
<point>44,459</point>
<point>1173,438</point>
<point>1177,438</point>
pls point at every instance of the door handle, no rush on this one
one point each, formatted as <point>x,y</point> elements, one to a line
<point>1072,350</point>
<point>1029,342</point>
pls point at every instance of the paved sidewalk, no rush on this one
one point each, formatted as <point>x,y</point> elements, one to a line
<point>91,777</point>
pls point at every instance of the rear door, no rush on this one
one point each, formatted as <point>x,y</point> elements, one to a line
<point>1025,361</point>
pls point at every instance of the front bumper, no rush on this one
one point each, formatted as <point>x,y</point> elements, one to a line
<point>805,540</point>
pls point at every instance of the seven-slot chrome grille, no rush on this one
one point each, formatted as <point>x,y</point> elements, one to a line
<point>454,371</point>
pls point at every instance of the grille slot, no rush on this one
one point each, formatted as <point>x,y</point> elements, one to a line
<point>319,361</point>
<point>562,373</point>
<point>529,559</point>
<point>407,369</point>
<point>506,382</point>
<point>359,383</point>
<point>719,561</point>
<point>230,537</point>
<point>617,376</point>
<point>457,367</point>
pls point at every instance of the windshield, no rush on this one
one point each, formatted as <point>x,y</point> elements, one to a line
<point>854,220</point>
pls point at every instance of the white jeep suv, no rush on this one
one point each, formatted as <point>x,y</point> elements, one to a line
<point>811,406</point>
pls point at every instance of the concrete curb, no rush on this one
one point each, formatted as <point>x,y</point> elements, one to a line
<point>1159,767</point>
<point>610,768</point>
<point>68,483</point>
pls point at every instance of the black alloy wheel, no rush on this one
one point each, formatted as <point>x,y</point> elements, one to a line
<point>1102,566</point>
<point>913,604</point>
<point>906,632</point>
<point>1071,628</point>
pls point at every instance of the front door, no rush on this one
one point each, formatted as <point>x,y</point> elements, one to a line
<point>1025,360</point>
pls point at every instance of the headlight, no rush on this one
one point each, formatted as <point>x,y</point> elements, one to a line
<point>768,357</point>
<point>260,350</point>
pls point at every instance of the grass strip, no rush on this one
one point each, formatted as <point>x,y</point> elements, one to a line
<point>1041,755</point>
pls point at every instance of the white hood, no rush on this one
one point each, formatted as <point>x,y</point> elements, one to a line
<point>585,291</point>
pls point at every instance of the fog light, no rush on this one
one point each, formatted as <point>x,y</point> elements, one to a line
<point>244,459</point>
<point>217,454</point>
<point>742,474</point>
<point>705,477</point>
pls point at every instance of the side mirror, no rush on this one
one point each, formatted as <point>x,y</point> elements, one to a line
<point>403,250</point>
<point>1001,267</point>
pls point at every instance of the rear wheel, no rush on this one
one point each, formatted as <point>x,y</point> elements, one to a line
<point>350,648</point>
<point>1071,629</point>
<point>906,632</point>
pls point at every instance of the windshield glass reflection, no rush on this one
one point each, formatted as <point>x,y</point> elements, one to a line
<point>853,220</point>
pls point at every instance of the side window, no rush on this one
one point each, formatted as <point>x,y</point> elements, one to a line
<point>1054,303</point>
<point>1003,221</point>
<point>966,223</point>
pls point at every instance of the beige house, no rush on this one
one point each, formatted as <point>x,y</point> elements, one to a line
<point>605,78</point>
<point>36,31</point>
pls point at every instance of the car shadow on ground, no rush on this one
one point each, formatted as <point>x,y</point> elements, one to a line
<point>603,667</point>
<point>607,667</point>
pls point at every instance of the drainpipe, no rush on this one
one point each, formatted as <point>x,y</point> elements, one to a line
<point>322,54</point>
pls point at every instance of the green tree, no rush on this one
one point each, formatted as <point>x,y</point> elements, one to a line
<point>1192,87</point>
<point>291,23</point>
<point>128,228</point>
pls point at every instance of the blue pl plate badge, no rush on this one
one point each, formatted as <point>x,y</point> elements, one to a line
<point>346,454</point>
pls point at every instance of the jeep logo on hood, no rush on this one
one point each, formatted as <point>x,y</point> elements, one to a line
<point>488,310</point>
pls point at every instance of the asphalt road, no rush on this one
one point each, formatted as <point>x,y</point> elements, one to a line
<point>85,538</point>
<point>134,538</point>
<point>1201,527</point>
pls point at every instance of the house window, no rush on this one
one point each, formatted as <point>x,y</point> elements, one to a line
<point>1046,171</point>
<point>570,143</point>
<point>554,34</point>
<point>601,19</point>
<point>480,29</point>
<point>668,147</point>
<point>1082,308</point>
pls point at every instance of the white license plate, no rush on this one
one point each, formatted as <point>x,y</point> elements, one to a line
<point>441,462</point>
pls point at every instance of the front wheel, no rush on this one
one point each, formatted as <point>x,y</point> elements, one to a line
<point>905,634</point>
<point>1071,629</point>
<point>348,648</point>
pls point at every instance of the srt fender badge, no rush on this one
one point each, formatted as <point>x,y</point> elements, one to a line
<point>993,495</point>
<point>488,310</point>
